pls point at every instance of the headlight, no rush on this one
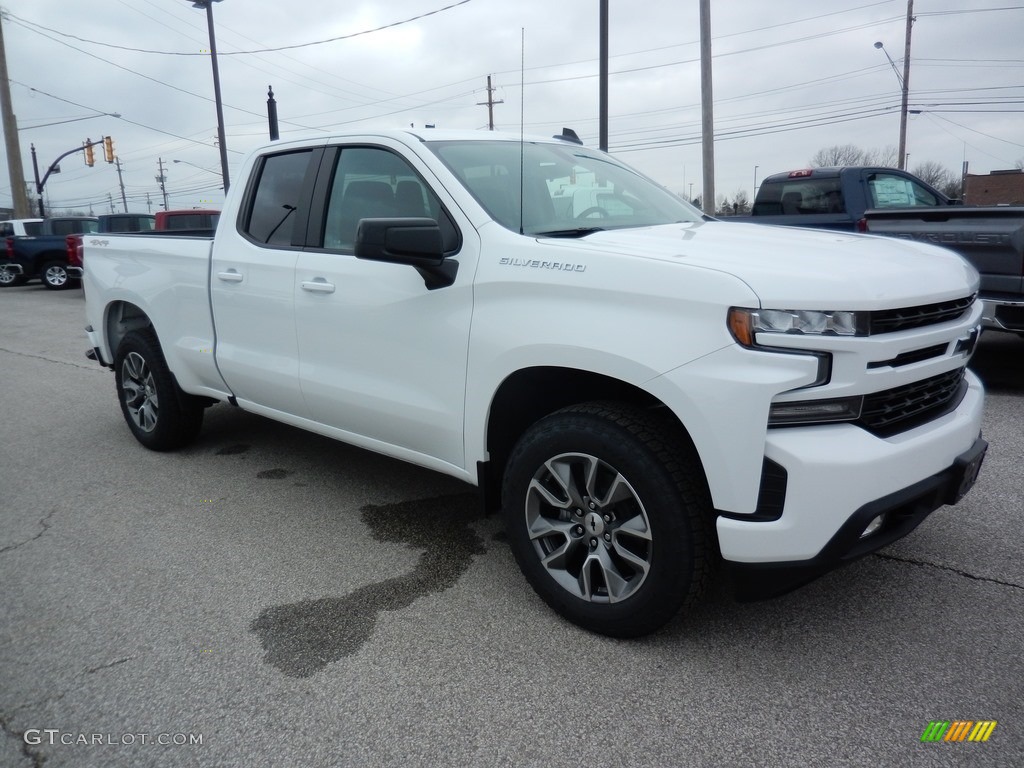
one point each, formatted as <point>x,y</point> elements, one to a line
<point>744,323</point>
<point>815,411</point>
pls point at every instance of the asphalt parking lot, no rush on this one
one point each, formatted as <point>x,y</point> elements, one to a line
<point>272,598</point>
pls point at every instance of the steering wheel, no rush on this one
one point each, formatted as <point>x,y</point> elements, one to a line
<point>585,214</point>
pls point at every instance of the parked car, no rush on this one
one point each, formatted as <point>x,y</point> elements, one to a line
<point>44,256</point>
<point>187,219</point>
<point>890,202</point>
<point>20,227</point>
<point>127,222</point>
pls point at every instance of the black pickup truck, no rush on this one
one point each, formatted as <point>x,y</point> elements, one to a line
<point>894,203</point>
<point>46,255</point>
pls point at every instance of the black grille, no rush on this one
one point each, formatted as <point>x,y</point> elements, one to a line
<point>902,408</point>
<point>891,320</point>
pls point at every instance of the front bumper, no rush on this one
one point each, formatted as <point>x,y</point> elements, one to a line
<point>895,514</point>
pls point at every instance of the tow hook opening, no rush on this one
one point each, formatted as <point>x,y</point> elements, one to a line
<point>874,526</point>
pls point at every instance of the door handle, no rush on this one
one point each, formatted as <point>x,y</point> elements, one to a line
<point>231,276</point>
<point>317,285</point>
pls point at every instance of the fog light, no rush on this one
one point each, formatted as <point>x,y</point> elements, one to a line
<point>873,526</point>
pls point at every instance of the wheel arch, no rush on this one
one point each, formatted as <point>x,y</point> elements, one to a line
<point>44,257</point>
<point>122,317</point>
<point>530,394</point>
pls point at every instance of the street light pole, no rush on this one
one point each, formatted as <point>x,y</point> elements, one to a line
<point>221,140</point>
<point>904,81</point>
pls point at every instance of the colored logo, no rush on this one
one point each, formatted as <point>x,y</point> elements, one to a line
<point>958,730</point>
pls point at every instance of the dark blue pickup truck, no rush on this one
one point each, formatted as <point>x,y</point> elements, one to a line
<point>894,203</point>
<point>46,255</point>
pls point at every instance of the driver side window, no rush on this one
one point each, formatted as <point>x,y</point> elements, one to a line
<point>373,183</point>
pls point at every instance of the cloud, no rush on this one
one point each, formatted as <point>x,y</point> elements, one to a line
<point>789,79</point>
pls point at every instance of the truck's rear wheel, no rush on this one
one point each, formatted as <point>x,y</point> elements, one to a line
<point>55,276</point>
<point>158,413</point>
<point>608,515</point>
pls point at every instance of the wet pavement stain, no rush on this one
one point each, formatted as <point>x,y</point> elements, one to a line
<point>273,474</point>
<point>230,450</point>
<point>302,638</point>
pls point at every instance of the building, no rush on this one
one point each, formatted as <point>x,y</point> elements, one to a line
<point>996,188</point>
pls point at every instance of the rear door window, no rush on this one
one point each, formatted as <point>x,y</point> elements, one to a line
<point>273,214</point>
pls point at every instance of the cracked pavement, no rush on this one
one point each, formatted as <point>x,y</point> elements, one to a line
<point>298,602</point>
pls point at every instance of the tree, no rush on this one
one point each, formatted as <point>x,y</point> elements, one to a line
<point>722,206</point>
<point>940,177</point>
<point>838,154</point>
<point>850,154</point>
<point>741,202</point>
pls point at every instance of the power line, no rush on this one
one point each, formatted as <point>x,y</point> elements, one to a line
<point>241,53</point>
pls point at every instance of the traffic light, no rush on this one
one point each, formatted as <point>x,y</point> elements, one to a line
<point>108,149</point>
<point>90,159</point>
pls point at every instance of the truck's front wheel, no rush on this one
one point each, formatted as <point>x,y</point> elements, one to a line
<point>158,413</point>
<point>608,514</point>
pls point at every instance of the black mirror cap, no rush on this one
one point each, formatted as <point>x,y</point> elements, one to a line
<point>414,241</point>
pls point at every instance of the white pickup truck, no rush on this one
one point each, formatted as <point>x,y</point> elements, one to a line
<point>645,392</point>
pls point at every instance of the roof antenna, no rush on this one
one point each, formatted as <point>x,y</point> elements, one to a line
<point>522,121</point>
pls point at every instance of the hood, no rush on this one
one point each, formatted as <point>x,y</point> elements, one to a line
<point>792,268</point>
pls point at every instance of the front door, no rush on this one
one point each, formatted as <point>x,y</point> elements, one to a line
<point>381,356</point>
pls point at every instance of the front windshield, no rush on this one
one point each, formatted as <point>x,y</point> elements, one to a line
<point>568,189</point>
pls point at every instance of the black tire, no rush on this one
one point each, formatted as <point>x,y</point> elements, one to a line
<point>54,275</point>
<point>619,564</point>
<point>159,414</point>
<point>9,278</point>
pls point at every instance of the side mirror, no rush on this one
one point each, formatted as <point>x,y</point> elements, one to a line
<point>416,242</point>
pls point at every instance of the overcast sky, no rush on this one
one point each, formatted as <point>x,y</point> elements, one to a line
<point>790,78</point>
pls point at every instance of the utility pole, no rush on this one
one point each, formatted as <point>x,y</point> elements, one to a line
<point>120,181</point>
<point>707,108</point>
<point>22,208</point>
<point>906,87</point>
<point>490,104</point>
<point>149,203</point>
<point>162,179</point>
<point>110,202</point>
<point>602,88</point>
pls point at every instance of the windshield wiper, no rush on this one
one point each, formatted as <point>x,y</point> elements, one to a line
<point>577,232</point>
